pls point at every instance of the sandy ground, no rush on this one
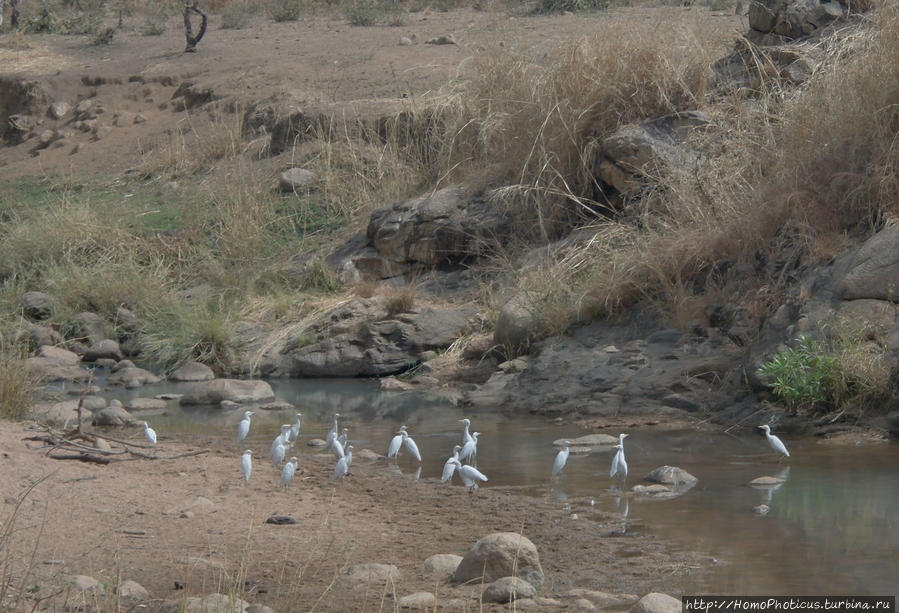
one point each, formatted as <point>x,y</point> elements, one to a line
<point>312,64</point>
<point>142,519</point>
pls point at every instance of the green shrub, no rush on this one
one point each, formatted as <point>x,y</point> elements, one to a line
<point>847,371</point>
<point>802,376</point>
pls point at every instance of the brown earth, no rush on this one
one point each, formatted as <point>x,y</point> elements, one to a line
<point>316,63</point>
<point>139,519</point>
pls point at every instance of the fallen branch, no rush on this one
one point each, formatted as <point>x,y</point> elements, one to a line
<point>83,457</point>
<point>167,457</point>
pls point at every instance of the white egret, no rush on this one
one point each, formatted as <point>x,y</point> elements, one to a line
<point>776,444</point>
<point>619,464</point>
<point>561,458</point>
<point>246,465</point>
<point>343,468</point>
<point>395,443</point>
<point>281,439</point>
<point>449,467</point>
<point>332,433</point>
<point>278,453</point>
<point>469,475</point>
<point>410,446</point>
<point>470,449</point>
<point>150,433</point>
<point>466,435</point>
<point>287,472</point>
<point>243,428</point>
<point>337,448</point>
<point>295,430</point>
<point>343,436</point>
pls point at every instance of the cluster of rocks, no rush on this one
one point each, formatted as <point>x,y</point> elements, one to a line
<point>505,567</point>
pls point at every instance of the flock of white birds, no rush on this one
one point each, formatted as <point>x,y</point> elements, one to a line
<point>454,465</point>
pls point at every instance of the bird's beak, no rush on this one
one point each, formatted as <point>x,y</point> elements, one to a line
<point>760,427</point>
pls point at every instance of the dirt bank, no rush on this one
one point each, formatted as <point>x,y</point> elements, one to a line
<point>141,519</point>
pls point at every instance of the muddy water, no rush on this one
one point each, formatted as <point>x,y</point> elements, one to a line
<point>832,527</point>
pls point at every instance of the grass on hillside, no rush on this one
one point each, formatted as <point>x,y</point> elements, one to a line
<point>794,172</point>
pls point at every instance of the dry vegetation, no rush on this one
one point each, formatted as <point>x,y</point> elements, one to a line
<point>794,171</point>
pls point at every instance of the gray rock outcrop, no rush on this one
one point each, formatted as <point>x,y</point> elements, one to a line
<point>36,305</point>
<point>792,18</point>
<point>192,371</point>
<point>242,391</point>
<point>671,475</point>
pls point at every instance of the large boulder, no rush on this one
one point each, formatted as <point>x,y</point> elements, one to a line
<point>90,326</point>
<point>192,371</point>
<point>56,369</point>
<point>357,338</point>
<point>503,554</point>
<point>242,391</point>
<point>36,305</point>
<point>517,325</point>
<point>634,154</point>
<point>872,271</point>
<point>132,377</point>
<point>441,564</point>
<point>114,415</point>
<point>106,349</point>
<point>449,226</point>
<point>792,18</point>
<point>671,475</point>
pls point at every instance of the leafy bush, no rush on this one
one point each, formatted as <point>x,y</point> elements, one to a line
<point>847,371</point>
<point>803,376</point>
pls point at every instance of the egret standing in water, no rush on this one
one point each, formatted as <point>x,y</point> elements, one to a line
<point>619,463</point>
<point>449,466</point>
<point>150,433</point>
<point>466,435</point>
<point>410,445</point>
<point>776,444</point>
<point>343,464</point>
<point>332,433</point>
<point>470,449</point>
<point>295,430</point>
<point>395,443</point>
<point>243,428</point>
<point>287,472</point>
<point>246,465</point>
<point>561,458</point>
<point>469,475</point>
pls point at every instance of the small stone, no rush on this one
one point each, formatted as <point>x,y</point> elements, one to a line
<point>508,589</point>
<point>138,119</point>
<point>671,475</point>
<point>132,590</point>
<point>367,455</point>
<point>582,604</point>
<point>280,520</point>
<point>405,41</point>
<point>295,178</point>
<point>761,509</point>
<point>657,603</point>
<point>316,442</point>
<point>418,600</point>
<point>372,573</point>
<point>446,39</point>
<point>441,564</point>
<point>36,305</point>
<point>59,109</point>
<point>767,481</point>
<point>186,514</point>
<point>85,583</point>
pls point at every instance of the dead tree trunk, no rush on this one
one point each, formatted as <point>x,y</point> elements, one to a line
<point>192,41</point>
<point>14,14</point>
<point>1,11</point>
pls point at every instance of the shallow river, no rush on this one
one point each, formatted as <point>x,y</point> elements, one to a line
<point>832,528</point>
